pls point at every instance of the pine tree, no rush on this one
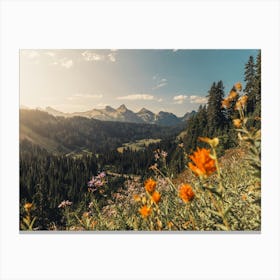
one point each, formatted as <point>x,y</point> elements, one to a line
<point>258,85</point>
<point>250,79</point>
<point>215,113</point>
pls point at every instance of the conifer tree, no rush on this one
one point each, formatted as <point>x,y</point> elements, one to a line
<point>258,85</point>
<point>250,89</point>
<point>215,113</point>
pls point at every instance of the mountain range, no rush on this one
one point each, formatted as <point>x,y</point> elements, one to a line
<point>123,114</point>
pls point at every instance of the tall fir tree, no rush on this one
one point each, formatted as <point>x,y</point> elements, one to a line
<point>250,79</point>
<point>215,113</point>
<point>258,85</point>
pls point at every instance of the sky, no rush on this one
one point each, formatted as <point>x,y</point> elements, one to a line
<point>168,80</point>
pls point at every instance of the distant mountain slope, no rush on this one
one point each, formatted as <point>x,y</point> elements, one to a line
<point>63,135</point>
<point>123,114</point>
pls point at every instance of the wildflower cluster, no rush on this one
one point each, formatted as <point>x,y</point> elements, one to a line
<point>152,197</point>
<point>96,182</point>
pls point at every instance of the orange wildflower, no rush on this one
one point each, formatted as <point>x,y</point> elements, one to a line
<point>86,214</point>
<point>137,197</point>
<point>186,193</point>
<point>27,206</point>
<point>241,103</point>
<point>238,86</point>
<point>169,225</point>
<point>237,123</point>
<point>150,185</point>
<point>226,103</point>
<point>156,197</point>
<point>243,100</point>
<point>232,95</point>
<point>203,164</point>
<point>145,211</point>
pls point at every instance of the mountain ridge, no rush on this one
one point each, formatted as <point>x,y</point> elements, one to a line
<point>123,114</point>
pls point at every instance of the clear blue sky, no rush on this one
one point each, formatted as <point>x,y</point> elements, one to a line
<point>176,81</point>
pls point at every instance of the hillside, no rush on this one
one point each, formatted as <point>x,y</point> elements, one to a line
<point>64,135</point>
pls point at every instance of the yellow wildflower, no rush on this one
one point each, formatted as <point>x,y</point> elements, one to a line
<point>238,86</point>
<point>212,142</point>
<point>237,123</point>
<point>27,206</point>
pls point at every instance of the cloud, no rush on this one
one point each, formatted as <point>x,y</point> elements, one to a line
<point>89,95</point>
<point>112,57</point>
<point>66,63</point>
<point>51,54</point>
<point>161,82</point>
<point>137,97</point>
<point>31,54</point>
<point>94,56</point>
<point>84,96</point>
<point>101,105</point>
<point>62,62</point>
<point>179,99</point>
<point>198,99</point>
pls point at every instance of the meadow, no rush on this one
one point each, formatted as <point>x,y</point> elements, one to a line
<point>213,193</point>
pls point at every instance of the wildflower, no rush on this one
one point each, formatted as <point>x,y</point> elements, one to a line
<point>243,100</point>
<point>238,86</point>
<point>181,145</point>
<point>64,203</point>
<point>232,95</point>
<point>101,175</point>
<point>90,205</point>
<point>156,197</point>
<point>27,206</point>
<point>150,185</point>
<point>86,214</point>
<point>91,182</point>
<point>153,167</point>
<point>136,198</point>
<point>164,154</point>
<point>237,123</point>
<point>186,193</point>
<point>145,211</point>
<point>241,103</point>
<point>93,224</point>
<point>226,103</point>
<point>157,156</point>
<point>212,142</point>
<point>203,165</point>
<point>244,197</point>
<point>169,225</point>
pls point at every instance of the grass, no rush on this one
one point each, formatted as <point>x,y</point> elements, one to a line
<point>137,145</point>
